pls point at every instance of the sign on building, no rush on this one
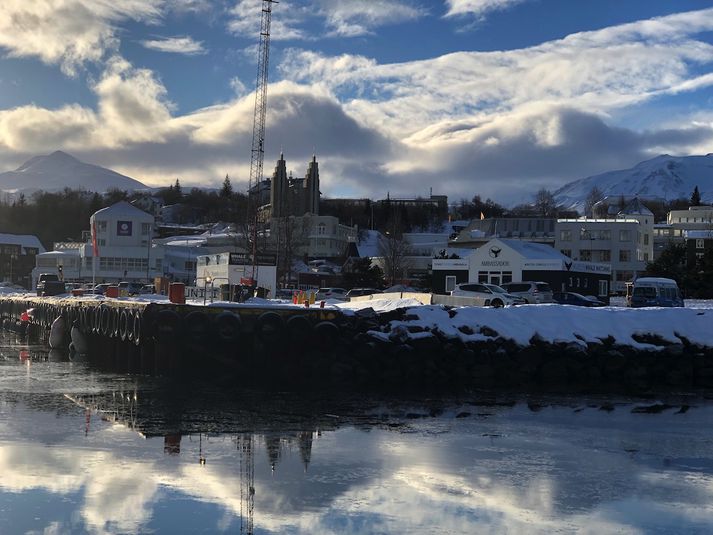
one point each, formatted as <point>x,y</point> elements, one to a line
<point>123,228</point>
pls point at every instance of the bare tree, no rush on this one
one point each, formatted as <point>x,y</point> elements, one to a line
<point>593,197</point>
<point>394,251</point>
<point>545,204</point>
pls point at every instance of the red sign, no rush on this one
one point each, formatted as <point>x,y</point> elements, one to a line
<point>247,281</point>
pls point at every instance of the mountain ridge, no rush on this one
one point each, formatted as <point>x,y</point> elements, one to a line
<point>663,177</point>
<point>59,170</point>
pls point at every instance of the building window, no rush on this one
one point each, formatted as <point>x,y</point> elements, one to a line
<point>624,255</point>
<point>605,235</point>
<point>101,226</point>
<point>646,257</point>
<point>603,288</point>
<point>699,257</point>
<point>482,276</point>
<point>145,228</point>
<point>700,244</point>
<point>624,235</point>
<point>566,252</point>
<point>646,239</point>
<point>585,255</point>
<point>101,242</point>
<point>605,255</point>
<point>565,235</point>
<point>450,283</point>
<point>321,229</point>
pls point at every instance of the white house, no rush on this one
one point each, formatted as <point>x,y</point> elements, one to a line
<point>235,268</point>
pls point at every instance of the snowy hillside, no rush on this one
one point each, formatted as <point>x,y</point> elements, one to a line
<point>664,177</point>
<point>59,170</point>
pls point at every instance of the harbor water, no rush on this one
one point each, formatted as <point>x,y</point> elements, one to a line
<point>84,450</point>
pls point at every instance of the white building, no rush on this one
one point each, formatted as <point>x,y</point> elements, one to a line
<point>124,246</point>
<point>215,270</point>
<point>612,241</point>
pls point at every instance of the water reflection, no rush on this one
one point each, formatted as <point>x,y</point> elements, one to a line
<point>89,452</point>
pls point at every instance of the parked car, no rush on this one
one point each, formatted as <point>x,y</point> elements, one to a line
<point>531,292</point>
<point>132,288</point>
<point>654,292</point>
<point>331,293</point>
<point>358,292</point>
<point>44,278</point>
<point>572,298</point>
<point>487,294</point>
<point>148,289</point>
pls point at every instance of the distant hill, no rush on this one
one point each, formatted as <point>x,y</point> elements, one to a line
<point>664,177</point>
<point>59,170</point>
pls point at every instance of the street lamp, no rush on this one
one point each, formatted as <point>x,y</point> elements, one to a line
<point>208,280</point>
<point>591,242</point>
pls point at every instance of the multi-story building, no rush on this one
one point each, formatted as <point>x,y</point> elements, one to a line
<point>678,223</point>
<point>699,243</point>
<point>123,238</point>
<point>17,257</point>
<point>481,231</point>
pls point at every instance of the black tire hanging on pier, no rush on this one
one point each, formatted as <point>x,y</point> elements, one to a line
<point>168,326</point>
<point>136,327</point>
<point>123,325</point>
<point>269,329</point>
<point>299,331</point>
<point>105,321</point>
<point>228,327</point>
<point>83,321</point>
<point>196,326</point>
<point>114,329</point>
<point>326,335</point>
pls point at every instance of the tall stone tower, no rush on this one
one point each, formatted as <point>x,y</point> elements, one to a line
<point>278,189</point>
<point>311,186</point>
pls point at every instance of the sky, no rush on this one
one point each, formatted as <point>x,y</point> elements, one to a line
<point>496,98</point>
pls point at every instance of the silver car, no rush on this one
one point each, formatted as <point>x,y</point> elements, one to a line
<point>488,294</point>
<point>531,292</point>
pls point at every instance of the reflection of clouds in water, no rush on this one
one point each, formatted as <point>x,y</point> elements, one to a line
<point>538,476</point>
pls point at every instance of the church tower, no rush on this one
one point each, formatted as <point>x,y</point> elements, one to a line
<point>278,189</point>
<point>311,186</point>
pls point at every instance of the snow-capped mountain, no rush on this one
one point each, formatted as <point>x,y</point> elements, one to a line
<point>59,170</point>
<point>664,177</point>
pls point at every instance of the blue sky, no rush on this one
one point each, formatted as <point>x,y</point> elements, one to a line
<point>489,97</point>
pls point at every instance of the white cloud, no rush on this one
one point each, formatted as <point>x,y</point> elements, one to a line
<point>177,45</point>
<point>478,7</point>
<point>344,18</point>
<point>67,32</point>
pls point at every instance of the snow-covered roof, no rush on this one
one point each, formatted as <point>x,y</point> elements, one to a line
<point>533,250</point>
<point>24,240</point>
<point>122,209</point>
<point>635,207</point>
<point>369,245</point>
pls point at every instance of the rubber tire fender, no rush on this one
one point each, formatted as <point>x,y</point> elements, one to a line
<point>137,327</point>
<point>326,335</point>
<point>299,330</point>
<point>270,329</point>
<point>228,327</point>
<point>196,326</point>
<point>168,326</point>
<point>123,325</point>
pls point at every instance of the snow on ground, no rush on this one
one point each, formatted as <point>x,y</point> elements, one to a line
<point>556,323</point>
<point>550,322</point>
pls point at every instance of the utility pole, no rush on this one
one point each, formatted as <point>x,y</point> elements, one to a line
<point>257,154</point>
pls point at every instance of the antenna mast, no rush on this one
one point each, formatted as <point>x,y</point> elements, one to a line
<point>257,155</point>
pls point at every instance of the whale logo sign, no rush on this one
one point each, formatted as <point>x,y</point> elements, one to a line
<point>568,265</point>
<point>495,251</point>
<point>123,228</point>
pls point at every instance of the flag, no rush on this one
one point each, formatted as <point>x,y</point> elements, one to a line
<point>482,215</point>
<point>95,248</point>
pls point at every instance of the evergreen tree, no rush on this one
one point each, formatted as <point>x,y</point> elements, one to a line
<point>696,197</point>
<point>177,189</point>
<point>227,190</point>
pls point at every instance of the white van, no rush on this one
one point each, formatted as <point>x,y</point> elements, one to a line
<point>654,292</point>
